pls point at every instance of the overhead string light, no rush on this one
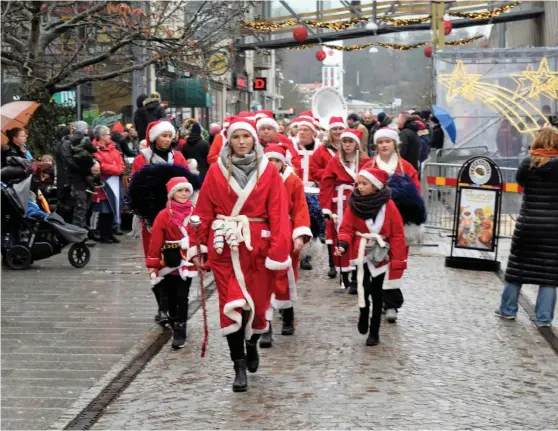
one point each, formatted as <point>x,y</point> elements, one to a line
<point>261,25</point>
<point>488,14</point>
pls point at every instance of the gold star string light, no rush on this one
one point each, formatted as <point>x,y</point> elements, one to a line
<point>460,83</point>
<point>542,81</point>
<point>520,80</point>
<point>485,15</point>
<point>261,25</point>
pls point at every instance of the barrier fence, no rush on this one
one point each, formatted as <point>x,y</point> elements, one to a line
<point>439,182</point>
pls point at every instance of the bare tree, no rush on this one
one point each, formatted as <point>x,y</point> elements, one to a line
<point>56,45</point>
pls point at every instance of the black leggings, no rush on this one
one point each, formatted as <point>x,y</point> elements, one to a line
<point>373,288</point>
<point>177,291</point>
<point>236,340</point>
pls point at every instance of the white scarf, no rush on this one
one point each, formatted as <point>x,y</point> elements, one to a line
<point>390,166</point>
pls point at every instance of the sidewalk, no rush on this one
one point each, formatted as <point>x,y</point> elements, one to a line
<point>449,363</point>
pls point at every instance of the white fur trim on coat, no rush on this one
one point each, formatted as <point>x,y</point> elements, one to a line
<point>301,230</point>
<point>193,252</point>
<point>159,129</point>
<point>277,266</point>
<point>178,187</point>
<point>266,121</point>
<point>372,178</point>
<point>325,211</point>
<point>414,234</point>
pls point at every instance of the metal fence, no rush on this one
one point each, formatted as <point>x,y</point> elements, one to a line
<point>438,192</point>
<point>453,155</point>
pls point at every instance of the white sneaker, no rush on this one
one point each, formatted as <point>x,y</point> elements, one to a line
<point>391,315</point>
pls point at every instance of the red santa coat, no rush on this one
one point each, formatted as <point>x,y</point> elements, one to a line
<point>337,184</point>
<point>147,157</point>
<point>165,231</point>
<point>216,147</point>
<point>285,284</point>
<point>321,157</point>
<point>251,228</point>
<point>293,158</point>
<point>386,227</point>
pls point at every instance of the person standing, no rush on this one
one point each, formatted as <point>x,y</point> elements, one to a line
<point>243,193</point>
<point>197,148</point>
<point>354,123</point>
<point>409,138</point>
<point>151,111</point>
<point>371,125</point>
<point>534,249</point>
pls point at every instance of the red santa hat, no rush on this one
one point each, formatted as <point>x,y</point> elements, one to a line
<point>336,122</point>
<point>377,177</point>
<point>304,121</point>
<point>227,121</point>
<point>176,184</point>
<point>267,121</point>
<point>242,123</point>
<point>276,151</point>
<point>309,116</point>
<point>386,132</point>
<point>264,114</point>
<point>353,134</point>
<point>248,115</point>
<point>156,129</point>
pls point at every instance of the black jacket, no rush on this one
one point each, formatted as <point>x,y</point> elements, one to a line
<point>410,143</point>
<point>534,249</point>
<point>74,171</point>
<point>121,144</point>
<point>151,111</point>
<point>437,141</point>
<point>197,148</point>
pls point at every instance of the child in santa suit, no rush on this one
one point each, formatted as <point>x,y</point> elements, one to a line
<point>372,234</point>
<point>166,257</point>
<point>285,284</point>
<point>336,186</point>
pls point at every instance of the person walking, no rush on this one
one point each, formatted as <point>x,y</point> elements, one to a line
<point>197,148</point>
<point>534,249</point>
<point>410,140</point>
<point>354,123</point>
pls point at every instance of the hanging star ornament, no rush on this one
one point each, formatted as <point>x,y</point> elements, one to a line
<point>539,82</point>
<point>460,83</point>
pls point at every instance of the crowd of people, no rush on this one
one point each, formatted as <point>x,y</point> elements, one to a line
<point>272,193</point>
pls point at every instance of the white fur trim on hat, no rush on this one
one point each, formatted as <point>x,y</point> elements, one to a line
<point>306,122</point>
<point>350,135</point>
<point>278,156</point>
<point>159,129</point>
<point>333,125</point>
<point>241,125</point>
<point>178,187</point>
<point>387,132</point>
<point>266,121</point>
<point>372,178</point>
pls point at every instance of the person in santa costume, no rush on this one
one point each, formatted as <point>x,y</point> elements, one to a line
<point>159,136</point>
<point>285,284</point>
<point>405,189</point>
<point>337,184</point>
<point>372,234</point>
<point>218,142</point>
<point>321,157</point>
<point>246,232</point>
<point>166,257</point>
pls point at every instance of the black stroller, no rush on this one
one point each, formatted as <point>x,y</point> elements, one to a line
<point>26,239</point>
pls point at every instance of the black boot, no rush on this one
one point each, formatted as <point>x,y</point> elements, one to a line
<point>105,229</point>
<point>372,340</point>
<point>178,335</point>
<point>240,383</point>
<point>288,322</point>
<point>346,282</point>
<point>305,263</point>
<point>353,288</point>
<point>110,231</point>
<point>332,271</point>
<point>252,356</point>
<point>160,291</point>
<point>363,320</point>
<point>266,340</point>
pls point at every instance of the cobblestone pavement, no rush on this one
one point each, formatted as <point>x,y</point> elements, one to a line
<point>447,364</point>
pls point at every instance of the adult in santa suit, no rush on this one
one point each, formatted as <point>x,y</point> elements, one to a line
<point>159,136</point>
<point>337,184</point>
<point>321,157</point>
<point>218,142</point>
<point>405,188</point>
<point>285,284</point>
<point>372,233</point>
<point>246,232</point>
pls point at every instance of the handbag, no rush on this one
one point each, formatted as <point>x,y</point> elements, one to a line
<point>172,254</point>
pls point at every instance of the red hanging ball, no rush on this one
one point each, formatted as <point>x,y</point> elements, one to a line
<point>428,51</point>
<point>320,55</point>
<point>448,27</point>
<point>300,34</point>
<point>483,43</point>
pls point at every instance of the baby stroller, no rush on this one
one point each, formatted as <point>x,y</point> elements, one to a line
<point>25,239</point>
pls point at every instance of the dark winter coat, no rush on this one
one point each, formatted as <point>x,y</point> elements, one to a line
<point>534,249</point>
<point>197,148</point>
<point>75,173</point>
<point>151,111</point>
<point>121,144</point>
<point>410,143</point>
<point>437,141</point>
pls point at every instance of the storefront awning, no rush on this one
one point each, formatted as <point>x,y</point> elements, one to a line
<point>185,92</point>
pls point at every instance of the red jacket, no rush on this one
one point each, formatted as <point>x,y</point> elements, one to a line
<point>318,162</point>
<point>216,147</point>
<point>111,163</point>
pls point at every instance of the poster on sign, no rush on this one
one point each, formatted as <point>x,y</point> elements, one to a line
<point>476,220</point>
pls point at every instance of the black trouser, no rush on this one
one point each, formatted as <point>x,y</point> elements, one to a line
<point>175,293</point>
<point>373,287</point>
<point>80,203</point>
<point>236,340</point>
<point>393,298</point>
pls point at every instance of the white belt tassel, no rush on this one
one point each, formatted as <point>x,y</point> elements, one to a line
<point>360,263</point>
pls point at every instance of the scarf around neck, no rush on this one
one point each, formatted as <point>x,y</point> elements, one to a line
<point>367,207</point>
<point>389,167</point>
<point>544,152</point>
<point>242,167</point>
<point>180,211</point>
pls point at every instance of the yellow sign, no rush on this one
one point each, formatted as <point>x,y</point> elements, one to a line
<point>218,63</point>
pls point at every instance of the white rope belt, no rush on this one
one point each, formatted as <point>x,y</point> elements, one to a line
<point>233,230</point>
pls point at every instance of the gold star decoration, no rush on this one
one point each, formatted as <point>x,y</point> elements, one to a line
<point>520,80</point>
<point>542,81</point>
<point>460,83</point>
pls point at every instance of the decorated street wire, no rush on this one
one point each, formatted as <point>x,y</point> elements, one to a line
<point>147,193</point>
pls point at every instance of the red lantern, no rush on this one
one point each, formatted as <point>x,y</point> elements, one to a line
<point>300,34</point>
<point>320,55</point>
<point>483,43</point>
<point>448,27</point>
<point>428,51</point>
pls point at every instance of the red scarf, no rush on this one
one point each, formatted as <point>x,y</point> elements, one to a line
<point>544,152</point>
<point>180,211</point>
